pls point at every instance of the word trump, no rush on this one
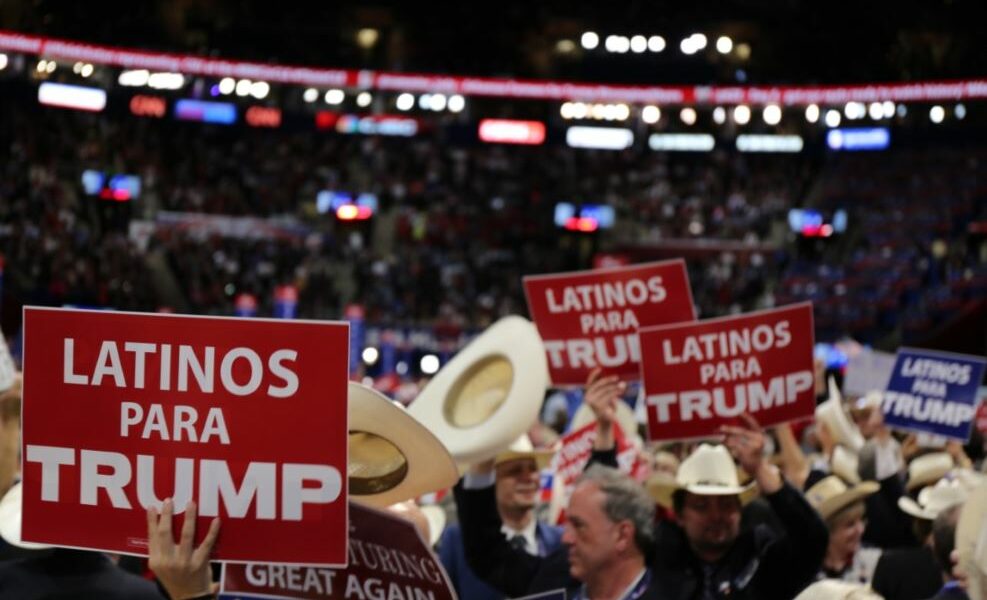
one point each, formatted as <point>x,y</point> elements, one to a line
<point>751,397</point>
<point>113,474</point>
<point>930,410</point>
<point>183,365</point>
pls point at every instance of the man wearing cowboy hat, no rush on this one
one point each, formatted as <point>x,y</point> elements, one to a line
<point>703,554</point>
<point>516,488</point>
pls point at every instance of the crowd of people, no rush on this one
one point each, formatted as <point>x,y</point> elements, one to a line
<point>458,224</point>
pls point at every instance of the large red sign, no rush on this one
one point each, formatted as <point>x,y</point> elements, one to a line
<point>246,417</point>
<point>699,376</point>
<point>388,559</point>
<point>590,319</point>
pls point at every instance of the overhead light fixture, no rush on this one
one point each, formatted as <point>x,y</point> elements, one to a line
<point>590,40</point>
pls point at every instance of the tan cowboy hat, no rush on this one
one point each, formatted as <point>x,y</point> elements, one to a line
<point>8,373</point>
<point>488,394</point>
<point>392,457</point>
<point>934,499</point>
<point>845,464</point>
<point>928,469</point>
<point>522,448</point>
<point>835,589</point>
<point>436,522</point>
<point>834,415</point>
<point>624,417</point>
<point>10,520</point>
<point>830,495</point>
<point>708,471</point>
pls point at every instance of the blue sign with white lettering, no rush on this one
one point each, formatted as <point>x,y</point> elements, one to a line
<point>934,392</point>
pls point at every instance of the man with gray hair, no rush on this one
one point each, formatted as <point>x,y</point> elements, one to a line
<point>609,530</point>
<point>607,539</point>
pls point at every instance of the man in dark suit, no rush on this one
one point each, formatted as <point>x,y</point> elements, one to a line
<point>516,487</point>
<point>943,544</point>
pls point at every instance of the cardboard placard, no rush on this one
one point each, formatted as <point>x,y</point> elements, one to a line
<point>867,371</point>
<point>933,392</point>
<point>574,452</point>
<point>699,376</point>
<point>588,319</point>
<point>247,417</point>
<point>388,559</point>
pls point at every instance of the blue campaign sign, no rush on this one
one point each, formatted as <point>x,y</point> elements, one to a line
<point>933,392</point>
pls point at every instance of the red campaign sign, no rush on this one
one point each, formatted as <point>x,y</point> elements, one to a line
<point>590,318</point>
<point>388,559</point>
<point>247,417</point>
<point>699,376</point>
<point>574,452</point>
<point>981,416</point>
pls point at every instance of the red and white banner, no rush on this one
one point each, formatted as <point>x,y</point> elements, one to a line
<point>921,91</point>
<point>388,559</point>
<point>574,452</point>
<point>246,417</point>
<point>589,319</point>
<point>699,376</point>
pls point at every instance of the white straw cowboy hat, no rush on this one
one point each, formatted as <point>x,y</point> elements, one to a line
<point>436,516</point>
<point>835,589</point>
<point>830,495</point>
<point>488,394</point>
<point>708,471</point>
<point>928,469</point>
<point>392,457</point>
<point>934,499</point>
<point>10,520</point>
<point>834,415</point>
<point>522,448</point>
<point>844,464</point>
<point>624,417</point>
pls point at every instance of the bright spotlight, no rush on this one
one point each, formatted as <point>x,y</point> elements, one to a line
<point>429,364</point>
<point>425,101</point>
<point>405,101</point>
<point>590,40</point>
<point>833,118</point>
<point>688,115</point>
<point>937,114</point>
<point>364,99</point>
<point>86,70</point>
<point>724,44</point>
<point>370,355</point>
<point>622,112</point>
<point>656,43</point>
<point>742,114</point>
<point>650,114</point>
<point>567,111</point>
<point>812,113</point>
<point>875,111</point>
<point>719,115</point>
<point>639,44</point>
<point>772,114</point>
<point>335,97</point>
<point>438,102</point>
<point>3,61</point>
<point>959,111</point>
<point>242,87</point>
<point>579,110</point>
<point>854,110</point>
<point>688,47</point>
<point>456,103</point>
<point>260,89</point>
<point>888,108</point>
<point>367,37</point>
<point>699,41</point>
<point>309,95</point>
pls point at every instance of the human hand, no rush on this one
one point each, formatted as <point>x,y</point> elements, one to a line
<point>745,443</point>
<point>183,570</point>
<point>601,395</point>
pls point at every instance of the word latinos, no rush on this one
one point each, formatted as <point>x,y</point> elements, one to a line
<point>607,295</point>
<point>186,363</point>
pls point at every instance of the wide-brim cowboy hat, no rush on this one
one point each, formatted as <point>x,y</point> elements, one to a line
<point>835,589</point>
<point>708,471</point>
<point>436,517</point>
<point>488,394</point>
<point>834,415</point>
<point>934,499</point>
<point>522,449</point>
<point>831,495</point>
<point>392,457</point>
<point>624,417</point>
<point>928,469</point>
<point>10,520</point>
<point>845,463</point>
